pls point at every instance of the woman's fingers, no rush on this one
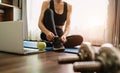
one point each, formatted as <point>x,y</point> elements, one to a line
<point>63,38</point>
<point>50,36</point>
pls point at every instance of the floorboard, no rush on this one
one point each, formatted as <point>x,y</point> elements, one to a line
<point>35,63</point>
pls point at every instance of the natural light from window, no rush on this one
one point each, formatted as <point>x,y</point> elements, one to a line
<point>88,18</point>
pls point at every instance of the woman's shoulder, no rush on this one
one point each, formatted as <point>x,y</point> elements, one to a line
<point>69,6</point>
<point>46,3</point>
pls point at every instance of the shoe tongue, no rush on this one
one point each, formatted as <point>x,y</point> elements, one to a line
<point>56,38</point>
<point>57,41</point>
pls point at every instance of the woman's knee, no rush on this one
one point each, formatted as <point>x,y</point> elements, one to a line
<point>73,40</point>
<point>49,11</point>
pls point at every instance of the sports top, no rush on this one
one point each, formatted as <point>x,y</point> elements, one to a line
<point>59,18</point>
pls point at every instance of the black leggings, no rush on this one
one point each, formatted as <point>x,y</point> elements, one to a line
<point>48,21</point>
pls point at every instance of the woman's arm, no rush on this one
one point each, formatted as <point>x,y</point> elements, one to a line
<point>40,24</point>
<point>67,26</point>
<point>49,34</point>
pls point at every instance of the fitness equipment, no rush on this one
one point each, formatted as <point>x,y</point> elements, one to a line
<point>108,61</point>
<point>86,53</point>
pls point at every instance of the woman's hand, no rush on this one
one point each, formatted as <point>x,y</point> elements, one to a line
<point>63,38</point>
<point>50,36</point>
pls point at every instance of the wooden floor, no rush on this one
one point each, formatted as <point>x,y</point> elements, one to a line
<point>35,63</point>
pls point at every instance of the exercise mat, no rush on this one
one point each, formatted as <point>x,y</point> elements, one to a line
<point>33,44</point>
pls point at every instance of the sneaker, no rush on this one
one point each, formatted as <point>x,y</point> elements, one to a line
<point>57,44</point>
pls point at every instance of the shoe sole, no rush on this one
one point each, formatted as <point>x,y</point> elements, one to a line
<point>61,48</point>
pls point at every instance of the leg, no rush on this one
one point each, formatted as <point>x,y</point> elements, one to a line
<point>73,41</point>
<point>48,21</point>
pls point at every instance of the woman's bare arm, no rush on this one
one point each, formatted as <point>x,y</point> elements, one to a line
<point>49,34</point>
<point>67,26</point>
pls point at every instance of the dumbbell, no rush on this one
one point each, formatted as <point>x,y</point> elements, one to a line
<point>86,53</point>
<point>108,61</point>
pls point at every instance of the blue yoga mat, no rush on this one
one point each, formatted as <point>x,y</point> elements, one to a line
<point>31,44</point>
<point>71,50</point>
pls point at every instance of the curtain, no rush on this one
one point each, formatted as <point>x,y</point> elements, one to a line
<point>89,18</point>
<point>33,13</point>
<point>116,28</point>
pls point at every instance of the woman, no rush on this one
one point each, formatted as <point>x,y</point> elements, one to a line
<point>55,14</point>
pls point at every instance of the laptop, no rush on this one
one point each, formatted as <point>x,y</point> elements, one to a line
<point>11,38</point>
